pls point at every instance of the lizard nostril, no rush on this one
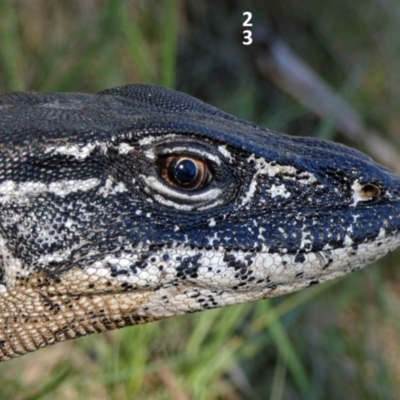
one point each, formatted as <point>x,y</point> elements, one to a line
<point>369,191</point>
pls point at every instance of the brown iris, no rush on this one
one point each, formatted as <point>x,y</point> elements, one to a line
<point>184,172</point>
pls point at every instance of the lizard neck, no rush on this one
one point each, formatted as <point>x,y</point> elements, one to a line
<point>35,313</point>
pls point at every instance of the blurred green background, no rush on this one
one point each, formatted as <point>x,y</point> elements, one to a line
<point>328,69</point>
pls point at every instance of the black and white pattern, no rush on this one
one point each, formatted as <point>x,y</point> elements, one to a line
<point>92,237</point>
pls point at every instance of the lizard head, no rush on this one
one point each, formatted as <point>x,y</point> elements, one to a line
<point>141,203</point>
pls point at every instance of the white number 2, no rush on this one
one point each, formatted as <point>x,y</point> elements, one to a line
<point>249,16</point>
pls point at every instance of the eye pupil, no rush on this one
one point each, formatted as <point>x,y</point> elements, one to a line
<point>186,171</point>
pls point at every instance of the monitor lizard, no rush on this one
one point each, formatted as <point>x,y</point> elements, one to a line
<point>140,203</point>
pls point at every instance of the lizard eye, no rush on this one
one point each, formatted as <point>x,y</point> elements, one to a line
<point>184,172</point>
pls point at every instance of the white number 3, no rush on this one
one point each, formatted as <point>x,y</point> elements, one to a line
<point>247,38</point>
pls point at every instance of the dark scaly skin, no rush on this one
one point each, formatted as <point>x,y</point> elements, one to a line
<point>92,238</point>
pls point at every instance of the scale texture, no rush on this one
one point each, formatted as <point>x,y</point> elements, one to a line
<point>141,203</point>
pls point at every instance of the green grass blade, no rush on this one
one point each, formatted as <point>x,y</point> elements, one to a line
<point>10,50</point>
<point>170,36</point>
<point>137,48</point>
<point>288,353</point>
